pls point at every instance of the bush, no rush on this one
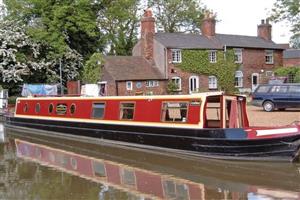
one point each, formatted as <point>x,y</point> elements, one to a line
<point>12,100</point>
<point>289,71</point>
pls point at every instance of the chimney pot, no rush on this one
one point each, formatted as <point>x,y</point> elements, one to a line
<point>147,34</point>
<point>264,30</point>
<point>208,25</point>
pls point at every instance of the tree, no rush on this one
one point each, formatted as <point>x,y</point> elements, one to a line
<point>120,26</point>
<point>287,10</point>
<point>60,24</point>
<point>295,41</point>
<point>25,60</point>
<point>92,69</point>
<point>178,15</point>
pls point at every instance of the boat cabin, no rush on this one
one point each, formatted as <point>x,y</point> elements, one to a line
<point>203,110</point>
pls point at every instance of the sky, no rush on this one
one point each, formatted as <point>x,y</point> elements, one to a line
<point>241,17</point>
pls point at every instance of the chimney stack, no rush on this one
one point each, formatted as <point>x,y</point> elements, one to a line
<point>208,25</point>
<point>147,34</point>
<point>264,30</point>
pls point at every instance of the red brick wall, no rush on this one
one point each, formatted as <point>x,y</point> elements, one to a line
<point>254,62</point>
<point>290,62</point>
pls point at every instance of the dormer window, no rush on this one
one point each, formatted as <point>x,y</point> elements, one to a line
<point>269,57</point>
<point>176,55</point>
<point>238,55</point>
<point>212,56</point>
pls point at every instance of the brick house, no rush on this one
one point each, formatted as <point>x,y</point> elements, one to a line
<point>156,55</point>
<point>291,58</point>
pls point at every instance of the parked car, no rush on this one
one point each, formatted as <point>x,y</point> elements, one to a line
<point>277,96</point>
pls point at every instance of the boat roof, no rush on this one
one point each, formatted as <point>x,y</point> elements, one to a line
<point>189,96</point>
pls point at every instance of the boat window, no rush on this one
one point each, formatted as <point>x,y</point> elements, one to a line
<point>175,190</point>
<point>128,177</point>
<point>126,110</point>
<point>25,108</point>
<point>61,109</point>
<point>73,162</point>
<point>213,115</point>
<point>37,108</point>
<point>72,109</point>
<point>98,110</point>
<point>50,109</point>
<point>99,169</point>
<point>174,111</point>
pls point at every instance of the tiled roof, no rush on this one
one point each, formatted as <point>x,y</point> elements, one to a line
<point>197,41</point>
<point>291,53</point>
<point>123,68</point>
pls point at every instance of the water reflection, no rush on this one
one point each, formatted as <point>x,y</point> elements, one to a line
<point>58,168</point>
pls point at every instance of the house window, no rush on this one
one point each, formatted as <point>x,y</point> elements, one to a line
<point>238,80</point>
<point>212,82</point>
<point>174,111</point>
<point>269,73</point>
<point>127,111</point>
<point>238,56</point>
<point>177,82</point>
<point>128,85</point>
<point>98,110</point>
<point>269,57</point>
<point>194,84</point>
<point>176,55</point>
<point>212,56</point>
<point>152,83</point>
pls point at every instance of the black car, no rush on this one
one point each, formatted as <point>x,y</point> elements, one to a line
<point>277,96</point>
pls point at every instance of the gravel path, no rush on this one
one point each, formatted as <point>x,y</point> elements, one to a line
<point>258,117</point>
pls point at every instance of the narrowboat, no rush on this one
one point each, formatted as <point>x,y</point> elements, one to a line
<point>212,125</point>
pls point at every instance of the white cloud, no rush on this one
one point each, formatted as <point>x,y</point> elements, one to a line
<point>241,17</point>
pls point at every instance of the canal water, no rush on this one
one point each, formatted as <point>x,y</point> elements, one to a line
<point>35,166</point>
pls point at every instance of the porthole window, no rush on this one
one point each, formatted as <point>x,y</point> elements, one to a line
<point>37,108</point>
<point>25,108</point>
<point>51,108</point>
<point>72,109</point>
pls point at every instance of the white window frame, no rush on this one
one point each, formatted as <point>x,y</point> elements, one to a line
<point>129,85</point>
<point>212,56</point>
<point>212,82</point>
<point>269,56</point>
<point>269,73</point>
<point>176,55</point>
<point>191,87</point>
<point>152,83</point>
<point>239,76</point>
<point>177,81</point>
<point>238,53</point>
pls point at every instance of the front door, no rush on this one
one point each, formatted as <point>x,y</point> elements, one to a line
<point>254,81</point>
